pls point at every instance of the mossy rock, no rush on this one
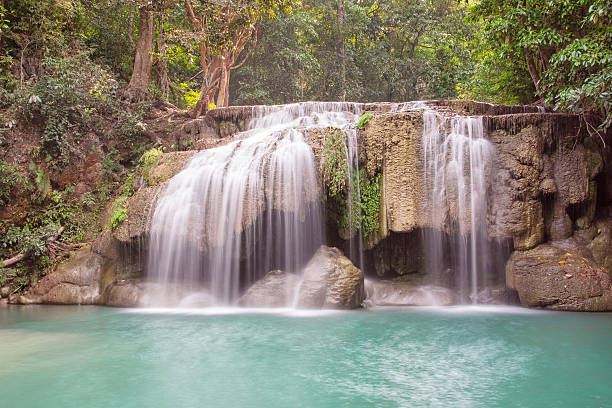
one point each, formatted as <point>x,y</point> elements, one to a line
<point>167,166</point>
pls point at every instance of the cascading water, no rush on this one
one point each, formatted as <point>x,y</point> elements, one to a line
<point>240,210</point>
<point>456,162</point>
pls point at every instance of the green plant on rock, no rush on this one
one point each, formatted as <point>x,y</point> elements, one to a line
<point>369,203</point>
<point>364,211</point>
<point>150,158</point>
<point>128,186</point>
<point>119,212</point>
<point>335,163</point>
<point>363,120</point>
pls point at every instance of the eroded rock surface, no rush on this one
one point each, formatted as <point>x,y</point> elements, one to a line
<point>276,289</point>
<point>331,281</point>
<point>559,276</point>
<point>75,281</point>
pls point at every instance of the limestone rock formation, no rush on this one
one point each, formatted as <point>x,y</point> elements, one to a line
<point>559,276</point>
<point>331,281</point>
<point>168,165</point>
<point>122,294</point>
<point>75,282</point>
<point>393,146</point>
<point>139,211</point>
<point>276,289</point>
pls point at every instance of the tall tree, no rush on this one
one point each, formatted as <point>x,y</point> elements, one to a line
<point>143,59</point>
<point>223,31</point>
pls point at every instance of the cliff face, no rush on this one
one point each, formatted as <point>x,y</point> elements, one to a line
<point>548,196</point>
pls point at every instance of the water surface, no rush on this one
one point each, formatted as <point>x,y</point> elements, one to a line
<point>462,356</point>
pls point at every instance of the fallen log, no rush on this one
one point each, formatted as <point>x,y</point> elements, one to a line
<point>20,257</point>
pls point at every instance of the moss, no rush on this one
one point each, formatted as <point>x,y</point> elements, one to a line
<point>370,203</point>
<point>363,120</point>
<point>149,159</point>
<point>335,163</point>
<point>365,207</point>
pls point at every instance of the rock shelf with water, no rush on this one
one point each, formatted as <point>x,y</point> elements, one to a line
<point>472,196</point>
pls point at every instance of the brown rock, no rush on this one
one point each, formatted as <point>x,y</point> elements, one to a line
<point>331,281</point>
<point>74,282</point>
<point>168,165</point>
<point>553,278</point>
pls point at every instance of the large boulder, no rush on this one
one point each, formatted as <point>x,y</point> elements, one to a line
<point>331,281</point>
<point>560,277</point>
<point>75,282</point>
<point>276,289</point>
<point>391,293</point>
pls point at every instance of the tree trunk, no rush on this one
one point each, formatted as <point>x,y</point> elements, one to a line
<point>223,97</point>
<point>533,71</point>
<point>340,47</point>
<point>143,61</point>
<point>164,82</point>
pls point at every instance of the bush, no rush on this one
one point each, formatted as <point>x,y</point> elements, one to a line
<point>363,120</point>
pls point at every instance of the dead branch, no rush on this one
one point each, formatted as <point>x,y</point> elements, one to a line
<point>50,243</point>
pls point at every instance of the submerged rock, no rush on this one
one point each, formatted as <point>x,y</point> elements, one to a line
<point>390,293</point>
<point>276,289</point>
<point>554,278</point>
<point>331,281</point>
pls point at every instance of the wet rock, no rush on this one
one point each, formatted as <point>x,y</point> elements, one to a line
<point>331,281</point>
<point>276,289</point>
<point>140,209</point>
<point>393,147</point>
<point>167,166</point>
<point>74,282</point>
<point>390,293</point>
<point>601,246</point>
<point>122,294</point>
<point>521,172</point>
<point>554,278</point>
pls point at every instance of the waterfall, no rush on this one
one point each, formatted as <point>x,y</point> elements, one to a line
<point>240,210</point>
<point>456,163</point>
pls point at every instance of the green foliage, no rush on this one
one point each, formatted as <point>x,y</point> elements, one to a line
<point>363,120</point>
<point>88,200</point>
<point>111,166</point>
<point>128,186</point>
<point>363,213</point>
<point>369,203</point>
<point>9,177</point>
<point>149,159</point>
<point>382,50</point>
<point>335,162</point>
<point>118,212</point>
<point>71,96</point>
<point>565,46</point>
<point>191,96</point>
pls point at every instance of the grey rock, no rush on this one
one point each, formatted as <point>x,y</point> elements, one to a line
<point>276,289</point>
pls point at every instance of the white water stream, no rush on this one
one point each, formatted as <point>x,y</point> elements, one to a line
<point>253,205</point>
<point>240,210</point>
